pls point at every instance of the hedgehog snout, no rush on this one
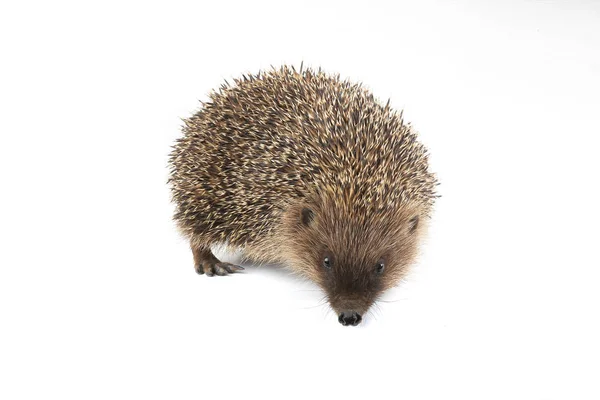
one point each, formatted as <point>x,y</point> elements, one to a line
<point>349,318</point>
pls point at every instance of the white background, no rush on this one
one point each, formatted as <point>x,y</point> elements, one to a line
<point>98,296</point>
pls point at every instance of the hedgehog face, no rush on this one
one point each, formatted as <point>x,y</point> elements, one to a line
<point>354,261</point>
<point>351,285</point>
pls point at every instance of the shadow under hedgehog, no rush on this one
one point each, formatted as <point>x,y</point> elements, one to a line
<point>308,170</point>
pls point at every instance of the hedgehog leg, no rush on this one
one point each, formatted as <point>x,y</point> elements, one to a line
<point>205,262</point>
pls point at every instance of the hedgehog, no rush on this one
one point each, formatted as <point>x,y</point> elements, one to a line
<point>304,169</point>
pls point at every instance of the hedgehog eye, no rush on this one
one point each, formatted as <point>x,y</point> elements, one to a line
<point>327,263</point>
<point>379,267</point>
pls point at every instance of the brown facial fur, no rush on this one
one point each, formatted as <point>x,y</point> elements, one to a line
<point>291,165</point>
<point>354,244</point>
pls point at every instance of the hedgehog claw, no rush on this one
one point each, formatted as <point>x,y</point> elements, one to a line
<point>219,268</point>
<point>230,268</point>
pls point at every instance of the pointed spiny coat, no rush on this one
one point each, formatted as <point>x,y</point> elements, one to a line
<point>280,138</point>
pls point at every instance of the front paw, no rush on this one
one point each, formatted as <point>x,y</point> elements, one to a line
<point>217,268</point>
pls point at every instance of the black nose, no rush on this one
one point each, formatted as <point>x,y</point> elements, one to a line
<point>349,318</point>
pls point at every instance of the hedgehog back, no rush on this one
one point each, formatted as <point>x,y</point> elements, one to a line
<point>275,137</point>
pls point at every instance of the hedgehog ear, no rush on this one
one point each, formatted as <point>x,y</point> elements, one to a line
<point>412,224</point>
<point>307,216</point>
